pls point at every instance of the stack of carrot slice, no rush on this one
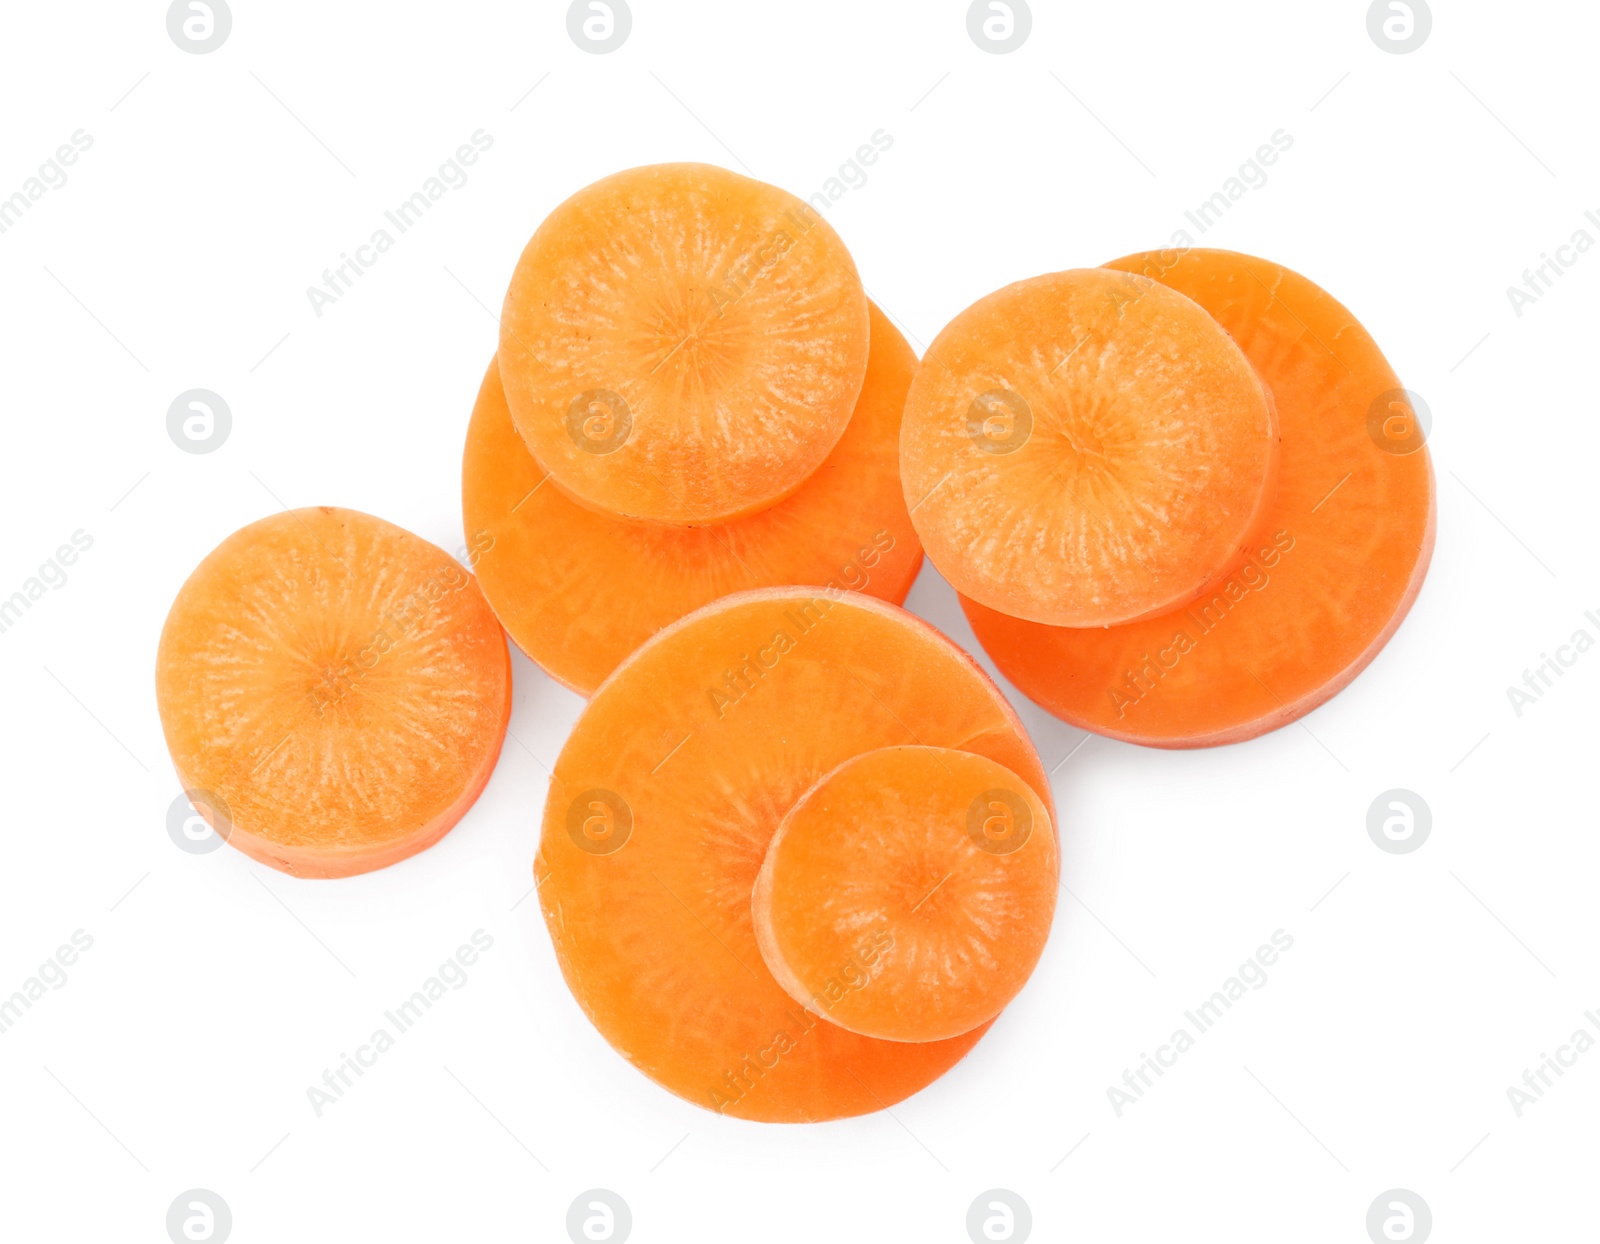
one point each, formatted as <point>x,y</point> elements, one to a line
<point>905,893</point>
<point>1182,498</point>
<point>692,397</point>
<point>798,852</point>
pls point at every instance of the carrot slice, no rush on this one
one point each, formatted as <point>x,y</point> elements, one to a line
<point>336,686</point>
<point>1348,541</point>
<point>578,591</point>
<point>908,894</point>
<point>660,810</point>
<point>683,344</point>
<point>1086,448</point>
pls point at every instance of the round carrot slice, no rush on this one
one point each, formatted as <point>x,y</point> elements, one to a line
<point>908,894</point>
<point>1086,448</point>
<point>683,344</point>
<point>660,810</point>
<point>334,691</point>
<point>1343,556</point>
<point>578,590</point>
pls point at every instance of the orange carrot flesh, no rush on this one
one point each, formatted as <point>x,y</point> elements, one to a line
<point>1342,558</point>
<point>909,893</point>
<point>578,591</point>
<point>338,685</point>
<point>1086,448</point>
<point>661,808</point>
<point>682,344</point>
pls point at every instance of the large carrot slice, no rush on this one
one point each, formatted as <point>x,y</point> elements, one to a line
<point>908,894</point>
<point>660,810</point>
<point>1346,546</point>
<point>578,590</point>
<point>337,686</point>
<point>683,344</point>
<point>1086,448</point>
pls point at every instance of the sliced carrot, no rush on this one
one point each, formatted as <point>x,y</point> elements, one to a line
<point>660,810</point>
<point>683,344</point>
<point>1346,546</point>
<point>908,894</point>
<point>1086,448</point>
<point>338,688</point>
<point>578,591</point>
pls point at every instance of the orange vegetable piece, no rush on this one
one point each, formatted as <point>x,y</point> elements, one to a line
<point>683,344</point>
<point>660,810</point>
<point>1344,553</point>
<point>338,688</point>
<point>1086,448</point>
<point>908,894</point>
<point>578,591</point>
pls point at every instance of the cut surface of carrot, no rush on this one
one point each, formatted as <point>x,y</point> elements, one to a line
<point>1086,448</point>
<point>909,893</point>
<point>683,344</point>
<point>337,688</point>
<point>1346,546</point>
<point>578,590</point>
<point>662,805</point>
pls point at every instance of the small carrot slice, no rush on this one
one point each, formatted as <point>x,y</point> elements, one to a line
<point>336,686</point>
<point>578,591</point>
<point>1346,547</point>
<point>908,894</point>
<point>660,810</point>
<point>683,344</point>
<point>1086,448</point>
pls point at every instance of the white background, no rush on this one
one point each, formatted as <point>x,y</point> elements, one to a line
<point>177,256</point>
